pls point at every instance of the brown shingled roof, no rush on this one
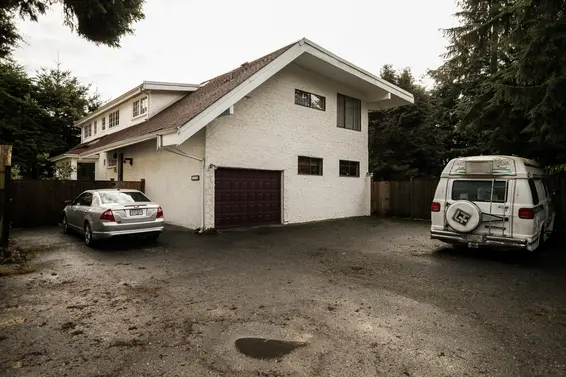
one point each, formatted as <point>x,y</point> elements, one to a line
<point>188,106</point>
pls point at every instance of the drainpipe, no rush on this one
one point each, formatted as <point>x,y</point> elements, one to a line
<point>175,150</point>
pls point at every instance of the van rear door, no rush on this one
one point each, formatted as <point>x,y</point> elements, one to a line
<point>493,197</point>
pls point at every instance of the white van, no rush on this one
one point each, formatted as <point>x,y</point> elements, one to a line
<point>492,201</point>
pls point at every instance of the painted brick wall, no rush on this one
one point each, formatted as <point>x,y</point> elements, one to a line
<point>168,178</point>
<point>268,131</point>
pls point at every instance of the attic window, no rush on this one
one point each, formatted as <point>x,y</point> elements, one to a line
<point>314,101</point>
<point>139,107</point>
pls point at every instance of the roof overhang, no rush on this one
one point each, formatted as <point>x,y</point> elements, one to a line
<point>72,156</point>
<point>142,88</point>
<point>124,143</point>
<point>378,93</point>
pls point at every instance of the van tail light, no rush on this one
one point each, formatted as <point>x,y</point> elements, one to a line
<point>435,207</point>
<point>159,213</point>
<point>107,215</point>
<point>526,213</point>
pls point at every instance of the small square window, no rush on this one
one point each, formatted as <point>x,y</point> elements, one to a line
<point>311,100</point>
<point>139,107</point>
<point>310,165</point>
<point>349,168</point>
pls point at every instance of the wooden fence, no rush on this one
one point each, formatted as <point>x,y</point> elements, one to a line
<point>41,202</point>
<point>411,198</point>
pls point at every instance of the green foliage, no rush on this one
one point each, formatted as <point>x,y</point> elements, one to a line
<point>37,115</point>
<point>16,173</point>
<point>406,141</point>
<point>63,170</point>
<point>99,21</point>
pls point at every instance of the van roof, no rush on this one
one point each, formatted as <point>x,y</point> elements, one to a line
<point>493,165</point>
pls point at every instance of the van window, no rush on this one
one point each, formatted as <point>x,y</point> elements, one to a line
<point>534,192</point>
<point>479,191</point>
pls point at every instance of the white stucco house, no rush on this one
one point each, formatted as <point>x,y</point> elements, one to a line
<point>281,139</point>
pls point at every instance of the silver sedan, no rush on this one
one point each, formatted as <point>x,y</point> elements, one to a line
<point>101,214</point>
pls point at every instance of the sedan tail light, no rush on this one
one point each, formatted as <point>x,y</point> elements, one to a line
<point>107,215</point>
<point>526,213</point>
<point>159,212</point>
<point>435,207</point>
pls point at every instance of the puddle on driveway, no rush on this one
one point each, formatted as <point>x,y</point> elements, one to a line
<point>266,349</point>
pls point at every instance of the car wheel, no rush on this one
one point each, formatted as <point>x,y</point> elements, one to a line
<point>153,236</point>
<point>88,235</point>
<point>65,225</point>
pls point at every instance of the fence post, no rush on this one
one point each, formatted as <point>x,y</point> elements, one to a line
<point>5,178</point>
<point>142,185</point>
<point>411,196</point>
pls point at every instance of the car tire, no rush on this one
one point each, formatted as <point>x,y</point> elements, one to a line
<point>89,241</point>
<point>153,236</point>
<point>65,225</point>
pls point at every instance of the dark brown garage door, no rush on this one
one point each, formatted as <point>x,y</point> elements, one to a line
<point>247,198</point>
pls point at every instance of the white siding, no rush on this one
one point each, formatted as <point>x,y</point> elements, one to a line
<point>268,131</point>
<point>159,100</point>
<point>168,178</point>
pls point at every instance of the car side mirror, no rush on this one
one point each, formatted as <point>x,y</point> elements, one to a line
<point>68,202</point>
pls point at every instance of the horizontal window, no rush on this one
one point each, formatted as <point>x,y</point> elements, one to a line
<point>349,168</point>
<point>311,100</point>
<point>479,191</point>
<point>349,113</point>
<point>310,165</point>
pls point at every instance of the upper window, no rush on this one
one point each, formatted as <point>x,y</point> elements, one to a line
<point>140,107</point>
<point>95,126</point>
<point>310,100</point>
<point>114,119</point>
<point>349,113</point>
<point>349,168</point>
<point>87,131</point>
<point>479,191</point>
<point>310,165</point>
<point>103,121</point>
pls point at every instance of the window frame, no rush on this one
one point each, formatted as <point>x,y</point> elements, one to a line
<point>499,184</point>
<point>103,124</point>
<point>114,119</point>
<point>95,126</point>
<point>310,103</point>
<point>311,165</point>
<point>356,164</point>
<point>141,105</point>
<point>342,101</point>
<point>534,192</point>
<point>87,131</point>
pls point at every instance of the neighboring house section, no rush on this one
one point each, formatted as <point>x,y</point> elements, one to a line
<point>282,139</point>
<point>131,108</point>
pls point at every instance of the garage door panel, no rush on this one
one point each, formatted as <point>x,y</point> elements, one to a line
<point>247,197</point>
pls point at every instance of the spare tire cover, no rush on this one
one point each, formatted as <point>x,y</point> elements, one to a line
<point>463,216</point>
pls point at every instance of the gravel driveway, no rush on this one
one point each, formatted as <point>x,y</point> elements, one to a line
<point>362,297</point>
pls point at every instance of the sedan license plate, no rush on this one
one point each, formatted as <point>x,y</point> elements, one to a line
<point>136,212</point>
<point>475,238</point>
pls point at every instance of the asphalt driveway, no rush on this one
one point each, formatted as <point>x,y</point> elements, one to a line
<point>363,297</point>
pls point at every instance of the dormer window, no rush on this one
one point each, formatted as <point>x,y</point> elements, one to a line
<point>139,107</point>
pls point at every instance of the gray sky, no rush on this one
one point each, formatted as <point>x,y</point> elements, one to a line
<point>192,41</point>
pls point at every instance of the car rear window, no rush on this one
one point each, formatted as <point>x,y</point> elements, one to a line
<point>122,197</point>
<point>479,191</point>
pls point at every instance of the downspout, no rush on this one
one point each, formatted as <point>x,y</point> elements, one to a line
<point>176,151</point>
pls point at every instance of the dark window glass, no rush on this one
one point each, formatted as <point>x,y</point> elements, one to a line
<point>349,168</point>
<point>79,199</point>
<point>86,199</point>
<point>349,112</point>
<point>534,192</point>
<point>479,191</point>
<point>310,165</point>
<point>310,100</point>
<point>122,197</point>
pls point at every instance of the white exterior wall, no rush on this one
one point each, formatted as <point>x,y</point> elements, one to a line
<point>268,131</point>
<point>168,178</point>
<point>159,100</point>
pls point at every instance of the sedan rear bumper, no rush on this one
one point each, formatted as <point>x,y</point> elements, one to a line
<point>112,229</point>
<point>487,240</point>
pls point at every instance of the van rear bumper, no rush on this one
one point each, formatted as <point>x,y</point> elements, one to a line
<point>453,237</point>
